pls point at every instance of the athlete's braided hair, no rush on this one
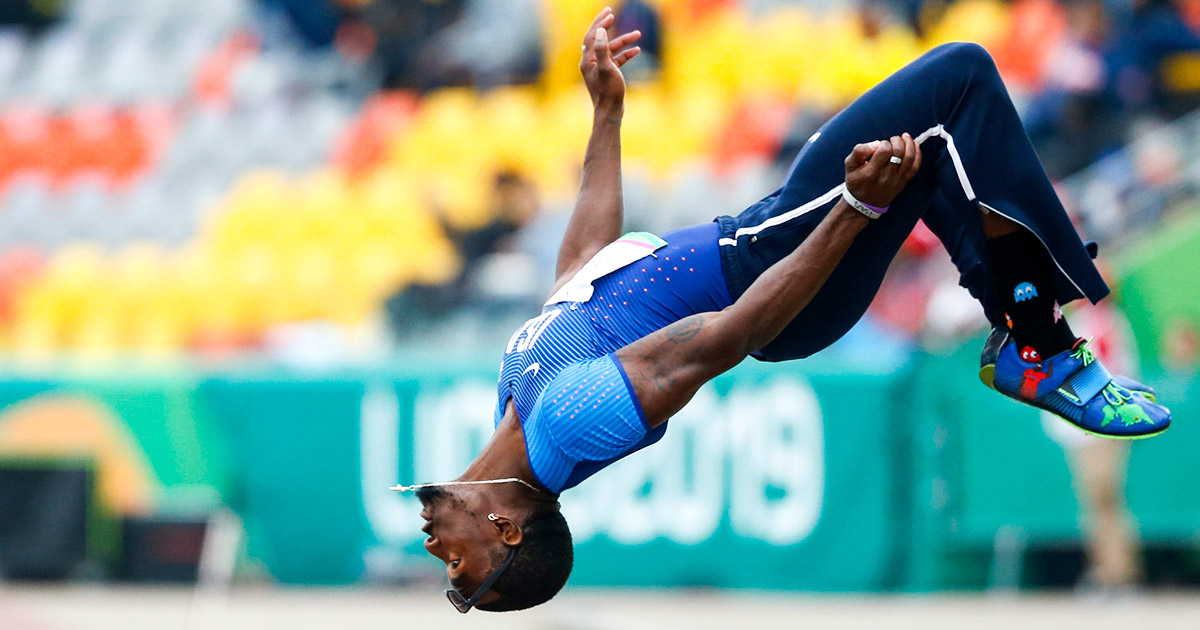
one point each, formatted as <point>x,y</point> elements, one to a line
<point>541,565</point>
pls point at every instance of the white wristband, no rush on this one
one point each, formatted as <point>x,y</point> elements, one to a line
<point>871,212</point>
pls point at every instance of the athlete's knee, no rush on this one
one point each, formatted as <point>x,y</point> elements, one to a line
<point>966,58</point>
<point>966,55</point>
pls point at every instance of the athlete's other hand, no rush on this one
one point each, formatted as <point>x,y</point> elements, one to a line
<point>873,178</point>
<point>602,61</point>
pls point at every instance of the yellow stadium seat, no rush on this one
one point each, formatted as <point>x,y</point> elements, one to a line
<point>325,245</point>
<point>35,330</point>
<point>252,210</point>
<point>564,24</point>
<point>982,21</point>
<point>783,54</point>
<point>136,280</point>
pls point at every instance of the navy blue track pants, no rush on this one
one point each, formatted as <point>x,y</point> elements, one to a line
<point>976,158</point>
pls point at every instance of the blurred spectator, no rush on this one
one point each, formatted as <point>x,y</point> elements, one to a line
<point>872,18</point>
<point>915,13</point>
<point>1109,70</point>
<point>494,42</point>
<point>32,13</point>
<point>1098,466</point>
<point>1156,32</point>
<point>514,204</point>
<point>427,44</point>
<point>637,15</point>
<point>1075,119</point>
<point>313,22</point>
<point>1180,347</point>
<point>404,29</point>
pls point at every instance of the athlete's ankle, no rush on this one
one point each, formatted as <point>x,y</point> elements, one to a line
<point>1026,283</point>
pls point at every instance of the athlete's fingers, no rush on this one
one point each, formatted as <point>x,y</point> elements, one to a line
<point>600,45</point>
<point>589,38</point>
<point>859,156</point>
<point>898,151</point>
<point>917,162</point>
<point>910,155</point>
<point>600,17</point>
<point>912,160</point>
<point>589,47</point>
<point>626,55</point>
<point>879,159</point>
<point>617,44</point>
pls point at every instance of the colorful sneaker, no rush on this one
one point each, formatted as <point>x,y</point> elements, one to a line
<point>1075,386</point>
<point>999,337</point>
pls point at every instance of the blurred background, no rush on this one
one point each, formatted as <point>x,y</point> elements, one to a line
<point>259,259</point>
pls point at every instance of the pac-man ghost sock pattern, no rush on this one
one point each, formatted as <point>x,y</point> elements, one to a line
<point>1023,271</point>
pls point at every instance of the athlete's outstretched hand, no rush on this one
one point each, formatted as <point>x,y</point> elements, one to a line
<point>871,174</point>
<point>602,60</point>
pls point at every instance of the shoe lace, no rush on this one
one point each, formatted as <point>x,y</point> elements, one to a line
<point>1115,395</point>
<point>1084,354</point>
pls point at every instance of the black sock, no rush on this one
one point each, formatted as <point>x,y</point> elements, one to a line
<point>1025,279</point>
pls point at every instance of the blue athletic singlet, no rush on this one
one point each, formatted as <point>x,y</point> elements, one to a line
<point>576,406</point>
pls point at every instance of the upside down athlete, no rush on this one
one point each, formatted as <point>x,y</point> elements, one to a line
<point>637,323</point>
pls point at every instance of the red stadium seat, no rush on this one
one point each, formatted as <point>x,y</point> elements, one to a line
<point>1037,27</point>
<point>25,129</point>
<point>755,129</point>
<point>214,76</point>
<point>364,144</point>
<point>128,151</point>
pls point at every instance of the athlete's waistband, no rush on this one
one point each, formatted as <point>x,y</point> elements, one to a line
<point>731,263</point>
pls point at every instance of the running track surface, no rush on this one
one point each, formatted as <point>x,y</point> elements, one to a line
<point>262,608</point>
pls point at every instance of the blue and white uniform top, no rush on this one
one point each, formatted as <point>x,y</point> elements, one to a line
<point>576,405</point>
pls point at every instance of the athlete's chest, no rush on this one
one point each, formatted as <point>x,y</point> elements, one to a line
<point>538,351</point>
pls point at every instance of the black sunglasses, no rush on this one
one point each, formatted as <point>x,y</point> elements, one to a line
<point>464,605</point>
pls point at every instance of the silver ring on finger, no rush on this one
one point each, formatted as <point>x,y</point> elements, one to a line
<point>895,159</point>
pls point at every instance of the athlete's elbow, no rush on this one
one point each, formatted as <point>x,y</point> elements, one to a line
<point>726,359</point>
<point>732,342</point>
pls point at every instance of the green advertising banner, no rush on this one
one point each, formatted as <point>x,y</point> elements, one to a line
<point>151,432</point>
<point>768,479</point>
<point>793,476</point>
<point>147,438</point>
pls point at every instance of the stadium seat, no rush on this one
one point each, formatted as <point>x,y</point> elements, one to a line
<point>218,170</point>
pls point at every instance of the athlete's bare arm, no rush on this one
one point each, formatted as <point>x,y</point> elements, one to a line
<point>597,218</point>
<point>668,366</point>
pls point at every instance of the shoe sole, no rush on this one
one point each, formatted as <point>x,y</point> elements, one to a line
<point>1126,438</point>
<point>987,374</point>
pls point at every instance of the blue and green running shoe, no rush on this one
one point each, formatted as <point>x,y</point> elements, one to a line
<point>1075,386</point>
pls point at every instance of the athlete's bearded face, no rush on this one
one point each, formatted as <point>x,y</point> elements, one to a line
<point>461,536</point>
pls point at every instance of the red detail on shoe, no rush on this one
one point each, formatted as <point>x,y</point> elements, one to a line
<point>1029,383</point>
<point>1029,353</point>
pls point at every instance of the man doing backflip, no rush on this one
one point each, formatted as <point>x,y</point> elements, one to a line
<point>636,324</point>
